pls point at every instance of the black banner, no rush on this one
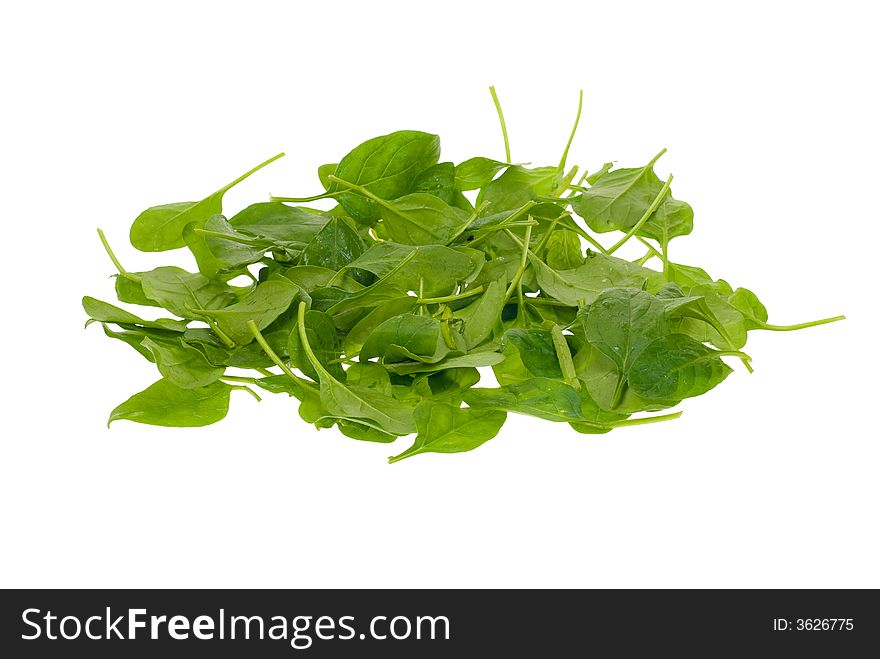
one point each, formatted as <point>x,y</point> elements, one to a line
<point>435,623</point>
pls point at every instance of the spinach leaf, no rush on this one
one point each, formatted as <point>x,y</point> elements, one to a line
<point>446,428</point>
<point>516,186</point>
<point>278,222</point>
<point>166,404</point>
<point>103,312</point>
<point>161,228</point>
<point>181,364</point>
<point>406,337</point>
<point>265,303</point>
<point>476,173</point>
<point>183,293</point>
<point>335,246</point>
<point>676,366</point>
<point>439,181</point>
<point>386,166</point>
<point>620,323</point>
<point>388,304</point>
<point>564,250</point>
<point>536,350</point>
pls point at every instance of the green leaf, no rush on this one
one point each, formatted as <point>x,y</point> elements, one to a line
<point>334,246</point>
<point>545,398</point>
<point>386,166</point>
<point>406,337</point>
<point>219,251</point>
<point>583,284</point>
<point>474,359</point>
<point>421,219</point>
<point>536,350</point>
<point>263,304</point>
<point>620,323</point>
<point>674,367</point>
<point>439,181</point>
<point>364,406</point>
<point>516,186</point>
<point>564,250</point>
<point>184,293</point>
<point>324,171</point>
<point>161,228</point>
<point>748,304</point>
<point>278,222</point>
<point>445,428</point>
<point>619,198</point>
<point>476,173</point>
<point>181,364</point>
<point>104,312</point>
<point>483,317</point>
<point>324,341</point>
<point>165,404</point>
<point>354,340</point>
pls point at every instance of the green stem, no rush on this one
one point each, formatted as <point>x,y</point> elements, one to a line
<point>566,181</point>
<point>223,336</point>
<point>236,378</point>
<point>469,222</point>
<point>655,158</point>
<point>250,391</point>
<point>450,298</point>
<point>799,326</point>
<point>547,302</point>
<point>563,356</point>
<point>304,339</point>
<point>654,251</point>
<point>252,171</point>
<point>573,131</point>
<point>264,371</point>
<point>250,242</point>
<point>503,124</point>
<point>323,195</point>
<point>122,271</point>
<point>638,225</point>
<point>261,340</point>
<point>734,353</point>
<point>541,245</point>
<point>647,257</point>
<point>523,262</point>
<point>647,419</point>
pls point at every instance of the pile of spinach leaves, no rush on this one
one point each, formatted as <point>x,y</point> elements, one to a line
<point>378,314</point>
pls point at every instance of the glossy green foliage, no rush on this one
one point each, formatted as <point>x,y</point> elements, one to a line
<point>386,166</point>
<point>377,316</point>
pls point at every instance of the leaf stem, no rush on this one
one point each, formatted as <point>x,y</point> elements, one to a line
<point>655,158</point>
<point>638,225</point>
<point>469,222</point>
<point>252,171</point>
<point>304,339</point>
<point>503,124</point>
<point>323,195</point>
<point>261,340</point>
<point>236,378</point>
<point>573,131</point>
<point>450,298</point>
<point>800,326</point>
<point>523,262</point>
<point>250,242</point>
<point>566,181</point>
<point>107,248</point>
<point>249,390</point>
<point>645,420</point>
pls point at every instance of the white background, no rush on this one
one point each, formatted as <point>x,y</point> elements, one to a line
<point>769,111</point>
